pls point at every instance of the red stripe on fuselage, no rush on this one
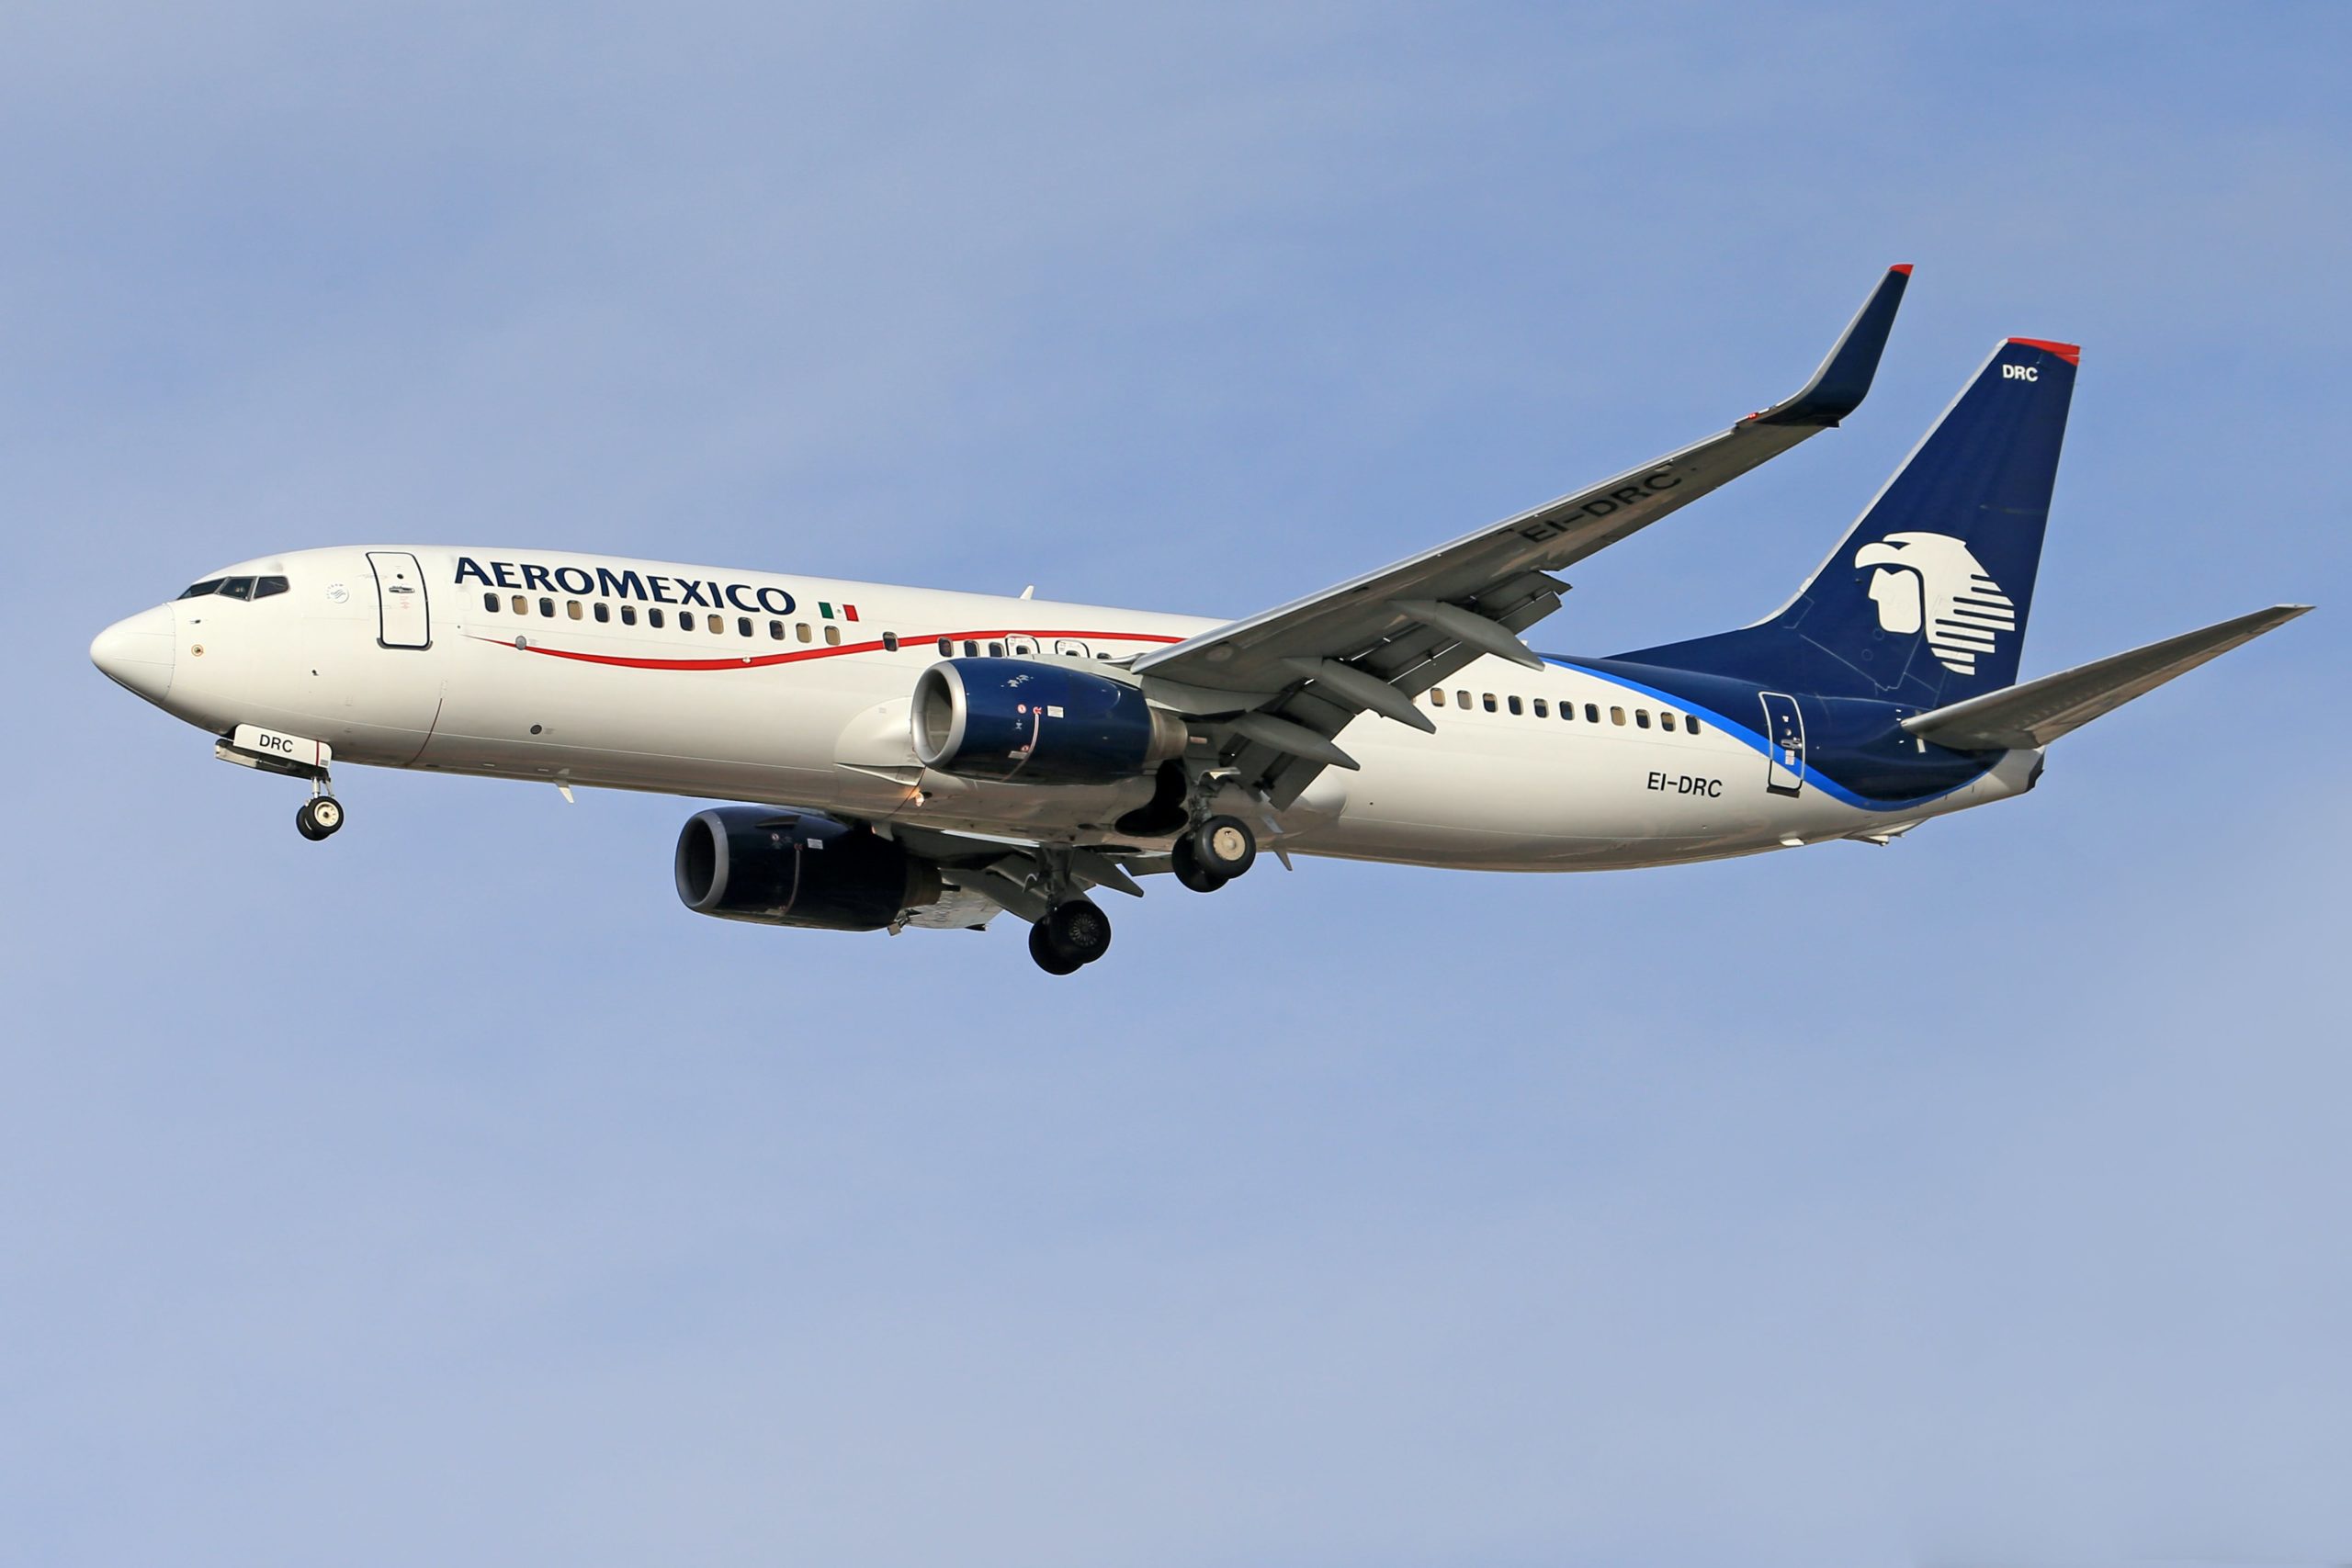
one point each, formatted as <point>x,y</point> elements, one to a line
<point>755,661</point>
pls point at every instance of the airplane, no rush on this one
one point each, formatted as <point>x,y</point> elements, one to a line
<point>917,758</point>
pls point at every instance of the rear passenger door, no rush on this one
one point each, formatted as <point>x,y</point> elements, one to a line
<point>1784,742</point>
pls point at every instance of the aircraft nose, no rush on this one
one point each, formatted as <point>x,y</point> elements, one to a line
<point>137,652</point>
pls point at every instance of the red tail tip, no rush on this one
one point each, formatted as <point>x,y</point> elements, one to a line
<point>2072,352</point>
<point>1902,268</point>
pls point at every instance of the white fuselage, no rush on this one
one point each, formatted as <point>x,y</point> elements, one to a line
<point>795,690</point>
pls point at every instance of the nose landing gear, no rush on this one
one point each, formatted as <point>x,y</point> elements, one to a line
<point>320,818</point>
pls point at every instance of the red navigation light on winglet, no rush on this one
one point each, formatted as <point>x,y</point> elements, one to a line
<point>2072,352</point>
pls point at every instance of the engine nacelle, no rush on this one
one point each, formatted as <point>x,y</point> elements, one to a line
<point>1038,722</point>
<point>787,868</point>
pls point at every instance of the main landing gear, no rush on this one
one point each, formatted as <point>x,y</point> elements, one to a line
<point>1073,934</point>
<point>1213,853</point>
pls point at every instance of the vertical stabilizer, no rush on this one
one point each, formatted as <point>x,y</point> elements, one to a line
<point>1926,600</point>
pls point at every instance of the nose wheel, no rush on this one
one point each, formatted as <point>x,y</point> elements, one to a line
<point>320,818</point>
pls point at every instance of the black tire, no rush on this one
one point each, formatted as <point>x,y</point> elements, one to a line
<point>1049,958</point>
<point>1188,869</point>
<point>1077,930</point>
<point>302,824</point>
<point>1224,846</point>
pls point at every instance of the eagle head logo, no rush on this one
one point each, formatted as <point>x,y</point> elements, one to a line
<point>1929,582</point>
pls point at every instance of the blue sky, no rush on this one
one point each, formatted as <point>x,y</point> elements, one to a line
<point>447,1194</point>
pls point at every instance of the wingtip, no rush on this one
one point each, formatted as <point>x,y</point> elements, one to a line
<point>1839,387</point>
<point>1902,268</point>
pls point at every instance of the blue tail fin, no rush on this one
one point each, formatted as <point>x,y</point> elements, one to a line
<point>1926,600</point>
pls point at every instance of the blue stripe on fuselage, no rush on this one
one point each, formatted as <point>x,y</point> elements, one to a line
<point>1707,696</point>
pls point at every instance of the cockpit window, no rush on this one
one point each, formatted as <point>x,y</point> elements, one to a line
<point>198,590</point>
<point>265,586</point>
<point>236,588</point>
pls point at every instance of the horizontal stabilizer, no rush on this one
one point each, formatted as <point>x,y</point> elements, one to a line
<point>2037,712</point>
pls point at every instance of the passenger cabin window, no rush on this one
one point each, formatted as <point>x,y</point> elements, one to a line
<point>1616,715</point>
<point>1437,696</point>
<point>1642,718</point>
<point>1542,709</point>
<point>971,648</point>
<point>996,650</point>
<point>776,631</point>
<point>489,602</point>
<point>947,647</point>
<point>604,611</point>
<point>832,637</point>
<point>522,605</point>
<point>890,642</point>
<point>628,614</point>
<point>653,618</point>
<point>1487,700</point>
<point>1691,723</point>
<point>742,626</point>
<point>1666,721</point>
<point>1514,704</point>
<point>572,607</point>
<point>800,630</point>
<point>1461,698</point>
<point>1592,713</point>
<point>547,608</point>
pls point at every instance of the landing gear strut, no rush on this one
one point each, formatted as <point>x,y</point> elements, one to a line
<point>1073,934</point>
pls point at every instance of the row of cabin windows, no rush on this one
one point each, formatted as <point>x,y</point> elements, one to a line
<point>800,631</point>
<point>1021,648</point>
<point>1668,720</point>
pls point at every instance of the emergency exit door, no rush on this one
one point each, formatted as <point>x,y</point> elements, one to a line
<point>1784,744</point>
<point>403,619</point>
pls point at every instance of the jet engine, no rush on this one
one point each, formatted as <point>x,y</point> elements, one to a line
<point>1035,721</point>
<point>788,868</point>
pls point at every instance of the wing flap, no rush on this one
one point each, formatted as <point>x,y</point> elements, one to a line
<point>2035,713</point>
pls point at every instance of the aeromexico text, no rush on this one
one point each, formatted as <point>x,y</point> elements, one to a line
<point>604,582</point>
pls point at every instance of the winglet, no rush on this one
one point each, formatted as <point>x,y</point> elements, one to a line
<point>1838,388</point>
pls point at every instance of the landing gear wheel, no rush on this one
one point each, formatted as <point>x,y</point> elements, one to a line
<point>1077,930</point>
<point>320,817</point>
<point>1189,870</point>
<point>1224,846</point>
<point>1048,957</point>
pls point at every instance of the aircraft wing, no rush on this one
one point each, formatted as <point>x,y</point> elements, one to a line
<point>1293,677</point>
<point>2035,713</point>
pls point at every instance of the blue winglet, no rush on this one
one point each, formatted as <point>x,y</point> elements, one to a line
<point>1837,388</point>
